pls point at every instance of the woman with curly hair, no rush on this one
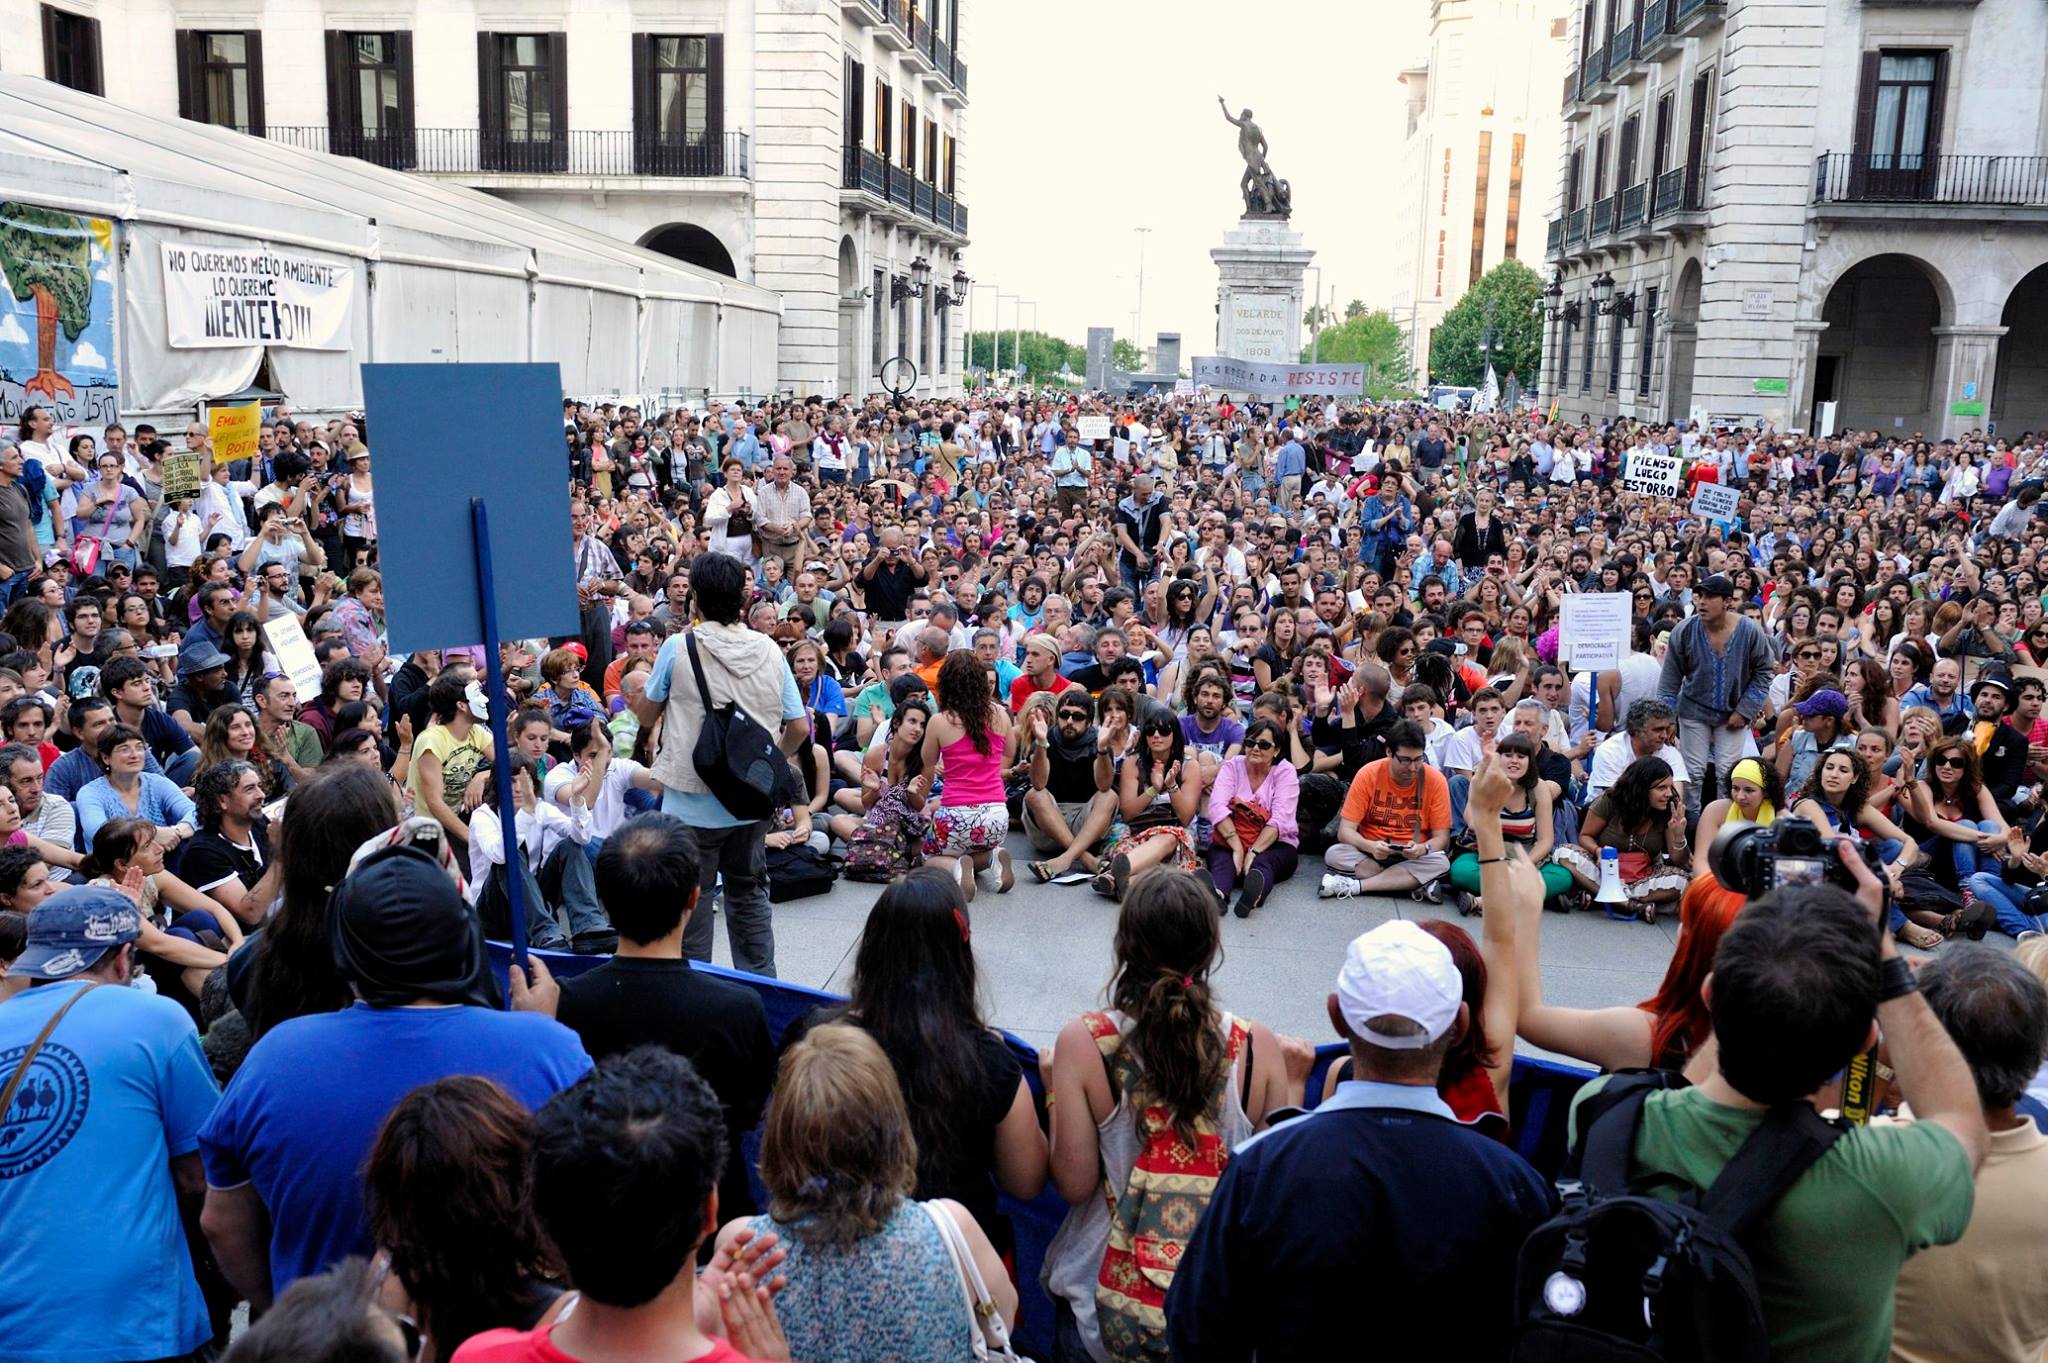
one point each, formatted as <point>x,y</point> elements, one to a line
<point>964,743</point>
<point>451,1209</point>
<point>1643,819</point>
<point>1836,799</point>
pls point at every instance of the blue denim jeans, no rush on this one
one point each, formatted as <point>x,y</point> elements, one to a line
<point>2008,901</point>
<point>1968,860</point>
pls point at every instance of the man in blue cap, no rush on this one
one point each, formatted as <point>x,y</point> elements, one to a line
<point>104,1089</point>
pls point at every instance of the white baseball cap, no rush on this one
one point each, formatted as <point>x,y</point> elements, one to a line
<point>1398,970</point>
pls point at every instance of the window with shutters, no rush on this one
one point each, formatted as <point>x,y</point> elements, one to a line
<point>952,151</point>
<point>909,137</point>
<point>1574,177</point>
<point>220,79</point>
<point>71,50</point>
<point>944,339</point>
<point>1898,123</point>
<point>931,152</point>
<point>524,81</point>
<point>1647,353</point>
<point>1697,132</point>
<point>369,97</point>
<point>1625,153</point>
<point>1564,354</point>
<point>679,103</point>
<point>924,335</point>
<point>1592,344</point>
<point>1660,140</point>
<point>884,102</point>
<point>878,303</point>
<point>1614,354</point>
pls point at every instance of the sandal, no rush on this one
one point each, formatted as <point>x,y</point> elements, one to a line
<point>1040,873</point>
<point>1008,881</point>
<point>1913,935</point>
<point>1103,885</point>
<point>1119,874</point>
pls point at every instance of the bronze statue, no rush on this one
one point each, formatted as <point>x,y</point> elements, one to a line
<point>1265,194</point>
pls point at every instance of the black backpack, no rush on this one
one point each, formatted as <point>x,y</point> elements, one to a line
<point>1620,1276</point>
<point>735,756</point>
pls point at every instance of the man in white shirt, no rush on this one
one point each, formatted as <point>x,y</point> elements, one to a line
<point>1648,730</point>
<point>556,869</point>
<point>592,789</point>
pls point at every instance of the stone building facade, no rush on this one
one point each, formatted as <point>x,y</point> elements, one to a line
<point>1809,211</point>
<point>814,147</point>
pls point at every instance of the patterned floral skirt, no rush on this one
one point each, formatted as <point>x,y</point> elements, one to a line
<point>1123,841</point>
<point>960,830</point>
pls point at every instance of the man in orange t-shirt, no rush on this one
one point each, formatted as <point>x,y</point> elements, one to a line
<point>1395,825</point>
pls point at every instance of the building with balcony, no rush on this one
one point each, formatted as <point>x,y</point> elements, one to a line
<point>728,134</point>
<point>1482,133</point>
<point>1807,211</point>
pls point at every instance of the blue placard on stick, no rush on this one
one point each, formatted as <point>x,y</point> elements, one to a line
<point>428,470</point>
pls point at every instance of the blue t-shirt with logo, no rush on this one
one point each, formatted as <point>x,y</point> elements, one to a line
<point>299,1118</point>
<point>94,1257</point>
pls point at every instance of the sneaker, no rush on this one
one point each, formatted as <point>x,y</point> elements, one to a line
<point>1432,893</point>
<point>1335,886</point>
<point>1254,890</point>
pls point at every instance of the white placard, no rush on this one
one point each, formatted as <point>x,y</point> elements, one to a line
<point>1330,379</point>
<point>1120,450</point>
<point>1711,501</point>
<point>294,654</point>
<point>216,298</point>
<point>1093,427</point>
<point>1658,475</point>
<point>1593,630</point>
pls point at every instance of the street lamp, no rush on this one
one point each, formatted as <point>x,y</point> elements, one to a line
<point>1550,302</point>
<point>958,295</point>
<point>1603,291</point>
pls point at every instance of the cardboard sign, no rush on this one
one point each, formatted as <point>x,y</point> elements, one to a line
<point>294,654</point>
<point>1656,475</point>
<point>233,431</point>
<point>1593,630</point>
<point>425,540</point>
<point>181,476</point>
<point>1093,428</point>
<point>1712,502</point>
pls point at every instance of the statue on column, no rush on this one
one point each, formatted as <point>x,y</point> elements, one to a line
<point>1265,194</point>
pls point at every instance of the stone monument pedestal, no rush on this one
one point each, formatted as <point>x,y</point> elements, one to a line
<point>1260,265</point>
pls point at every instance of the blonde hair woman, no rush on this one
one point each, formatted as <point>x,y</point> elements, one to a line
<point>869,1272</point>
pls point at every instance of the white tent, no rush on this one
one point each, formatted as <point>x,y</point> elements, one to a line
<point>434,271</point>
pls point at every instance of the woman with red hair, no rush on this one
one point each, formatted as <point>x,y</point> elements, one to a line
<point>1668,1030</point>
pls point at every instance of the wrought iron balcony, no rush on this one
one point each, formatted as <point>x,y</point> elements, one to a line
<point>576,151</point>
<point>1575,227</point>
<point>1621,49</point>
<point>1688,14</point>
<point>1603,216</point>
<point>1990,181</point>
<point>1553,237</point>
<point>1678,191</point>
<point>1590,73</point>
<point>1653,26</point>
<point>1634,202</point>
<point>867,172</point>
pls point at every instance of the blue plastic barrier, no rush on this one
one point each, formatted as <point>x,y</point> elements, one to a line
<point>1539,1098</point>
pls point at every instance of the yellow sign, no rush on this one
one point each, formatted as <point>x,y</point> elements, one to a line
<point>233,432</point>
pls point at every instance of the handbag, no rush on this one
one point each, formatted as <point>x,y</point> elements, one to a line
<point>735,757</point>
<point>991,1335</point>
<point>741,521</point>
<point>85,555</point>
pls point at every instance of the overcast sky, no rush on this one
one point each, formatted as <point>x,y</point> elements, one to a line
<point>1086,120</point>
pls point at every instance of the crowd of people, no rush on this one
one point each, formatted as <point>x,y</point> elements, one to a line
<point>1172,666</point>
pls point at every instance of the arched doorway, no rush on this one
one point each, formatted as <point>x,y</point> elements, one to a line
<point>1876,359</point>
<point>2020,396</point>
<point>692,245</point>
<point>849,318</point>
<point>1685,333</point>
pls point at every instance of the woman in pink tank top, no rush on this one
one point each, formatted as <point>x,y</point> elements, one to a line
<point>966,739</point>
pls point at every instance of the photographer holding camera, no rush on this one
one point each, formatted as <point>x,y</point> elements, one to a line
<point>1804,980</point>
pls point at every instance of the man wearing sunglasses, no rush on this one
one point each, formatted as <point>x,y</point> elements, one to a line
<point>1068,810</point>
<point>1395,825</point>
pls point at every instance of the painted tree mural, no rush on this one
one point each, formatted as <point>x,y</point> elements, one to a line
<point>47,255</point>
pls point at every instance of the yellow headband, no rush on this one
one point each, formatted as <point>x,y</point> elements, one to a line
<point>1748,769</point>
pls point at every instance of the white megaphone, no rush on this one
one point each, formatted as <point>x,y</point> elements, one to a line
<point>1611,891</point>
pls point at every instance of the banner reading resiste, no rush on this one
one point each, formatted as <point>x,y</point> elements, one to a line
<point>1265,380</point>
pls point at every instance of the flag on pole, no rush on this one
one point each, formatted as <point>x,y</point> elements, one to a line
<point>1553,409</point>
<point>1489,394</point>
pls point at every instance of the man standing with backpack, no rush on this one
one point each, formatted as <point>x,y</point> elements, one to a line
<point>743,670</point>
<point>1802,1240</point>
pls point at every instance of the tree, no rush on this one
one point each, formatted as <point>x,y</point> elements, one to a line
<point>1126,356</point>
<point>1042,355</point>
<point>1373,339</point>
<point>1355,308</point>
<point>1503,302</point>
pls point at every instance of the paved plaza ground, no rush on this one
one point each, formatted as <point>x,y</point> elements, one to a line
<point>1044,950</point>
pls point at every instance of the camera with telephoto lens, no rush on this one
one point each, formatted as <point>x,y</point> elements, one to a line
<point>1754,860</point>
